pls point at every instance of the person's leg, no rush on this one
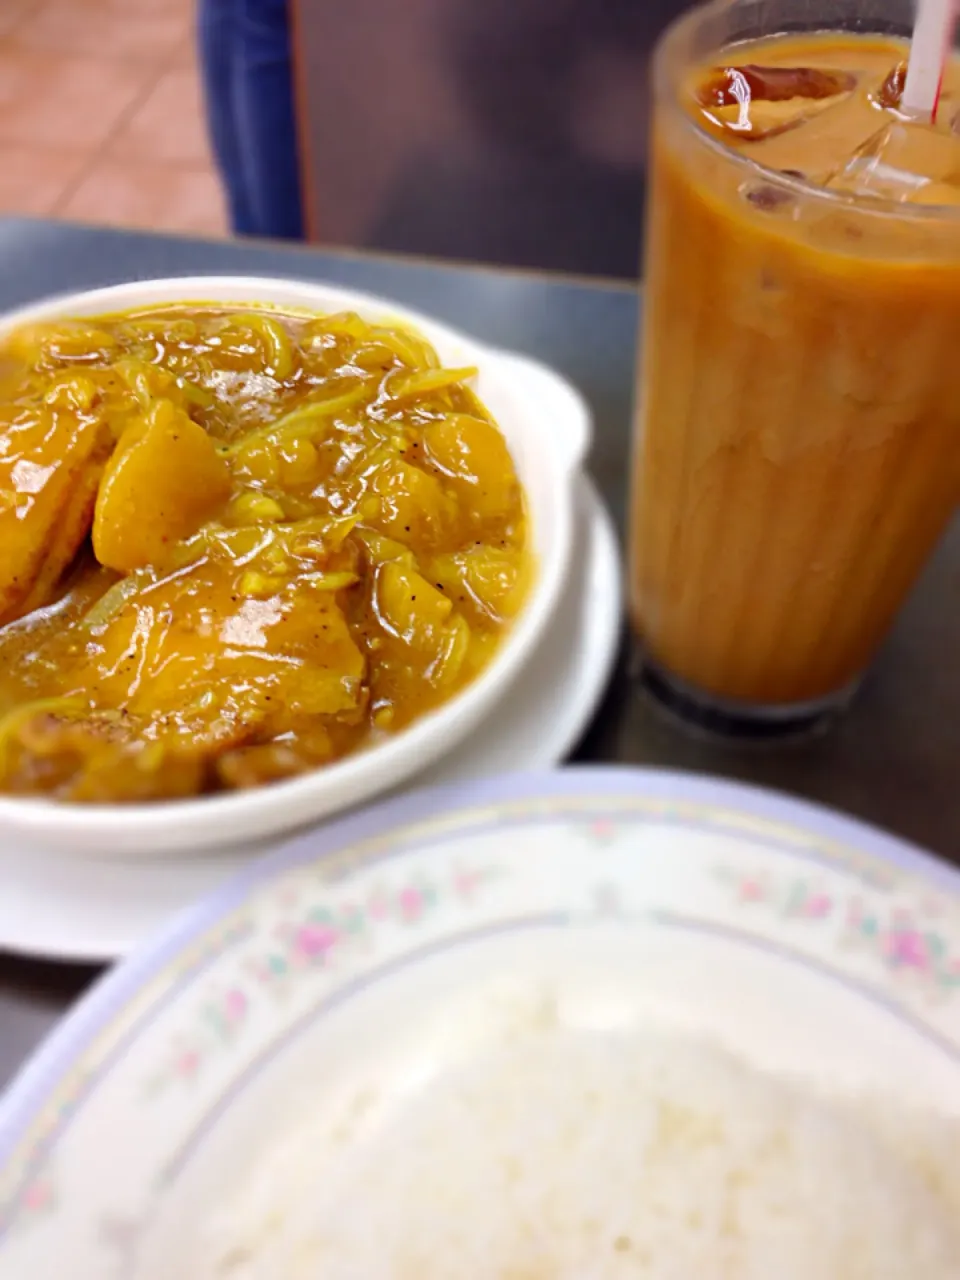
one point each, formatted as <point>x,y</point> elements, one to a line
<point>266,118</point>
<point>217,44</point>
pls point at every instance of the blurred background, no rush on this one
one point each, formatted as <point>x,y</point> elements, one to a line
<point>497,131</point>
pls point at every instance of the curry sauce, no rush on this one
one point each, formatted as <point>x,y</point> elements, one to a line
<point>238,545</point>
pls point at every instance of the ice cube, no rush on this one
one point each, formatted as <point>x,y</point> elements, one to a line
<point>727,86</point>
<point>890,96</point>
<point>948,117</point>
<point>891,91</point>
<point>904,162</point>
<point>758,102</point>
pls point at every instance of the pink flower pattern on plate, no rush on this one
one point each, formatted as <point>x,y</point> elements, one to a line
<point>908,942</point>
<point>314,935</point>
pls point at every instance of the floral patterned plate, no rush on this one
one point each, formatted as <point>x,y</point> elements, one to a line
<point>370,957</point>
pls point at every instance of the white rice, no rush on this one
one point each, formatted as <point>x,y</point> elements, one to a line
<point>587,1156</point>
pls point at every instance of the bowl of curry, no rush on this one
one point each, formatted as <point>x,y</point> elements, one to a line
<point>269,548</point>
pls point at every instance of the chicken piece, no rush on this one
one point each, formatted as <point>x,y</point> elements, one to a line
<point>164,480</point>
<point>188,668</point>
<point>224,647</point>
<point>51,462</point>
<point>62,748</point>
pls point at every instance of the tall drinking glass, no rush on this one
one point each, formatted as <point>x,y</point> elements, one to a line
<point>798,427</point>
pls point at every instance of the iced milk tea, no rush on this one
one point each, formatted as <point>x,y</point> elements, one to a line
<point>798,436</point>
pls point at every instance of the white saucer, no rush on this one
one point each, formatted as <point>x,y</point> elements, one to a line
<point>92,911</point>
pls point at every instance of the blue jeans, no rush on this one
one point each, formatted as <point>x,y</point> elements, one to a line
<point>246,62</point>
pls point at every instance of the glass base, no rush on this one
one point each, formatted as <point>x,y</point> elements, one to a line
<point>708,716</point>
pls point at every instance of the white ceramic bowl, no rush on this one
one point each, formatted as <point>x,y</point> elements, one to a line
<point>547,426</point>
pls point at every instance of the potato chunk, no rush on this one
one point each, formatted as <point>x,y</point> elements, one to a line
<point>50,466</point>
<point>473,456</point>
<point>164,480</point>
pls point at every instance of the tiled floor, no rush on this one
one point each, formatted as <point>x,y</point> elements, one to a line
<point>100,115</point>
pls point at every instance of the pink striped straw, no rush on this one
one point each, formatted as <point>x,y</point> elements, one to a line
<point>929,50</point>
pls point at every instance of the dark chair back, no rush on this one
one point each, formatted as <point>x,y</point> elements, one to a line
<point>500,131</point>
